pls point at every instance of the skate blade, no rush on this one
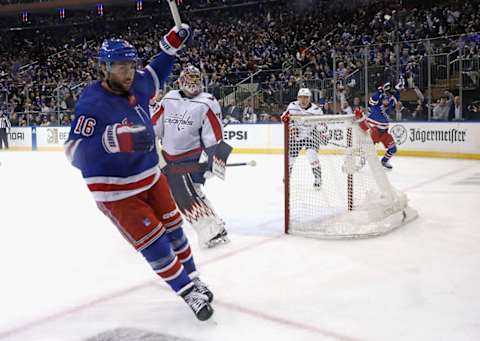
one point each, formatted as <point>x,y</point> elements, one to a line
<point>217,242</point>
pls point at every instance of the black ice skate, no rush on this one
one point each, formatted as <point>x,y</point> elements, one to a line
<point>387,164</point>
<point>202,288</point>
<point>318,182</point>
<point>198,302</point>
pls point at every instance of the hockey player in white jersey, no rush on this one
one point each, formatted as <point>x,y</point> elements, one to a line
<point>187,124</point>
<point>305,136</point>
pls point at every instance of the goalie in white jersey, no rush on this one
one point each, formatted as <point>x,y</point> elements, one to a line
<point>304,135</point>
<point>187,123</point>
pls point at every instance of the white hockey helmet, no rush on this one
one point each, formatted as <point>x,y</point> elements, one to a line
<point>304,92</point>
<point>190,81</point>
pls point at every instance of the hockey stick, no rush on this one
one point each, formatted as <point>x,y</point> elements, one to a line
<point>193,167</point>
<point>252,163</point>
<point>175,13</point>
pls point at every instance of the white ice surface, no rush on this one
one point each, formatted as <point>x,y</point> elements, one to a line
<point>67,274</point>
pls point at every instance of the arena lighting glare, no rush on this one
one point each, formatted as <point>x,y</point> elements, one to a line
<point>100,10</point>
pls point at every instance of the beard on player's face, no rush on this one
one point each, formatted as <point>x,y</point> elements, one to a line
<point>118,85</point>
<point>120,77</point>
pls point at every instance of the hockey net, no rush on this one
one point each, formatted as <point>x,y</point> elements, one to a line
<point>355,198</point>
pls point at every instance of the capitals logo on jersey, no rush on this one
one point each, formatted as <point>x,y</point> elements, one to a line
<point>180,121</point>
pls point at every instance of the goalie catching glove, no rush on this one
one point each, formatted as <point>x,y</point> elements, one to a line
<point>175,39</point>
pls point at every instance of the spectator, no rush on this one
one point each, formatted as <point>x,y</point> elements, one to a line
<point>45,122</point>
<point>455,111</point>
<point>418,114</point>
<point>442,107</point>
<point>53,119</point>
<point>70,100</point>
<point>37,120</point>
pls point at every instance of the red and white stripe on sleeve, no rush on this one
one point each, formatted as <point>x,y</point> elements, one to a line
<point>158,122</point>
<point>212,129</point>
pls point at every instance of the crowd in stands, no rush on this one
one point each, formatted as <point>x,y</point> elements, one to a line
<point>9,2</point>
<point>43,67</point>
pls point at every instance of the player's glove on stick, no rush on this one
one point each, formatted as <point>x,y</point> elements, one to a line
<point>175,39</point>
<point>119,138</point>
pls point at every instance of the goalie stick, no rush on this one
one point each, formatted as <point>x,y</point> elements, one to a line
<point>192,167</point>
<point>217,161</point>
<point>252,163</point>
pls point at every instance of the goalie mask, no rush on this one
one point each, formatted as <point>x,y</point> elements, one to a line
<point>190,81</point>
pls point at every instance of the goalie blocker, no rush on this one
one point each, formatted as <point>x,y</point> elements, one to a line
<point>185,179</point>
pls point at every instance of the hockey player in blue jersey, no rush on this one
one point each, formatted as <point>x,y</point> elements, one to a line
<point>381,104</point>
<point>112,142</point>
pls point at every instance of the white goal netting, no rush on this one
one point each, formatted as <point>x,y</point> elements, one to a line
<point>335,186</point>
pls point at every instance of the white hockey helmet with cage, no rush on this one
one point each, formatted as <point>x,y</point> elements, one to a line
<point>304,92</point>
<point>304,95</point>
<point>190,81</point>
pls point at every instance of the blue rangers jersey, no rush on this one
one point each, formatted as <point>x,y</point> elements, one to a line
<point>378,113</point>
<point>115,176</point>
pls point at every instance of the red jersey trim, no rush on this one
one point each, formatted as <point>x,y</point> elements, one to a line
<point>217,129</point>
<point>157,115</point>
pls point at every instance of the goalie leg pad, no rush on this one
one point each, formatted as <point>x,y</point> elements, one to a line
<point>194,208</point>
<point>222,236</point>
<point>199,190</point>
